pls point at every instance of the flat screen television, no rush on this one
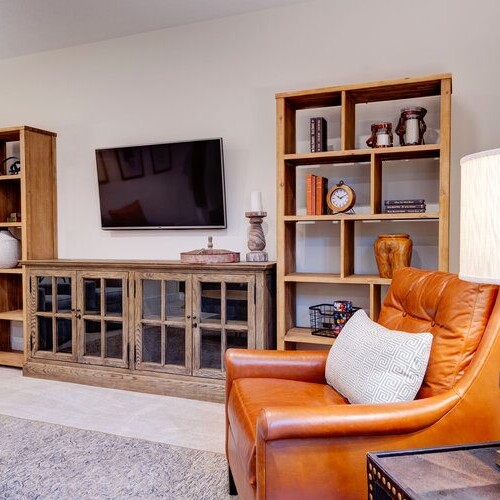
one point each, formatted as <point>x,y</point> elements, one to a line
<point>177,185</point>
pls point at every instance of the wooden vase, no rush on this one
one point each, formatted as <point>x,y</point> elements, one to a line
<point>392,252</point>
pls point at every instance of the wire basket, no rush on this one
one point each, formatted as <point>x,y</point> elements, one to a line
<point>327,320</point>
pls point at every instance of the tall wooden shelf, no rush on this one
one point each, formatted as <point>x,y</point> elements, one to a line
<point>32,192</point>
<point>289,159</point>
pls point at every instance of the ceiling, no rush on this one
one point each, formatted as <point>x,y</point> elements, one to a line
<point>29,26</point>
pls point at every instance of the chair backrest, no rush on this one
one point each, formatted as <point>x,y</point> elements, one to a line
<point>456,312</point>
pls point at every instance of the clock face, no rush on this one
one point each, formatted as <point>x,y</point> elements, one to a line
<point>341,198</point>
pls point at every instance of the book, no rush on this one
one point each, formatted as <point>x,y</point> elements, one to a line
<point>321,134</point>
<point>405,210</point>
<point>409,205</point>
<point>313,195</point>
<point>310,194</point>
<point>403,202</point>
<point>321,190</point>
<point>312,135</point>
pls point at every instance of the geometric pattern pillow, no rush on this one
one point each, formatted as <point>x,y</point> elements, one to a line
<point>369,363</point>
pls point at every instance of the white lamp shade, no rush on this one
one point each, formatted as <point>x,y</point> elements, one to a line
<point>480,217</point>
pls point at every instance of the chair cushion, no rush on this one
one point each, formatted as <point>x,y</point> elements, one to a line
<point>369,363</point>
<point>249,396</point>
<point>456,312</point>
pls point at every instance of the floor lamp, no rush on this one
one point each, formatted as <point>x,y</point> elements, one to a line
<point>480,220</point>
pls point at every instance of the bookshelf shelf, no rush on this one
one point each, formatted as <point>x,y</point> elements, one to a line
<point>361,217</point>
<point>13,177</point>
<point>350,240</point>
<point>15,315</point>
<point>353,279</point>
<point>364,155</point>
<point>304,336</point>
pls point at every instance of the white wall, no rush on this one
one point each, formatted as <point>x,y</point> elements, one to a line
<point>219,78</point>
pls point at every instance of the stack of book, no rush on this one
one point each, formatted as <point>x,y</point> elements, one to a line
<point>318,135</point>
<point>404,206</point>
<point>316,189</point>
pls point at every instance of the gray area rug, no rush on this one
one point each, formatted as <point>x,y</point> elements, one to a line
<point>47,461</point>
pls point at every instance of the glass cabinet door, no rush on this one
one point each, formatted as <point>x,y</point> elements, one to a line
<point>52,313</point>
<point>163,322</point>
<point>223,317</point>
<point>102,315</point>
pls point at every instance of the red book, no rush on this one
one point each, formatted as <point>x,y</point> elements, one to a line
<point>310,189</point>
<point>321,190</point>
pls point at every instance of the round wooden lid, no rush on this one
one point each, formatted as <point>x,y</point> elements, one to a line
<point>210,255</point>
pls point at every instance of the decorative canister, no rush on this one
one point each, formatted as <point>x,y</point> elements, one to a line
<point>10,250</point>
<point>411,126</point>
<point>381,135</point>
<point>392,252</point>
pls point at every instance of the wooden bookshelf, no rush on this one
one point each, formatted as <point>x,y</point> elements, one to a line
<point>371,162</point>
<point>32,193</point>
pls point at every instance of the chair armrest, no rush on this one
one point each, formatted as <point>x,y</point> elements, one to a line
<point>353,420</point>
<point>305,366</point>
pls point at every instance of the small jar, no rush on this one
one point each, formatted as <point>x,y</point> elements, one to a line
<point>381,135</point>
<point>411,126</point>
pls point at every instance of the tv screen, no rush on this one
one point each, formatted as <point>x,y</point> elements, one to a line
<point>175,185</point>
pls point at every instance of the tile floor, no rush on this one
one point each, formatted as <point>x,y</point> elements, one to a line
<point>176,421</point>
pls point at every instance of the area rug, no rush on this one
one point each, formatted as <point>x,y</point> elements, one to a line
<point>47,461</point>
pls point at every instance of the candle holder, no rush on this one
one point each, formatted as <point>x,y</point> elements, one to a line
<point>256,238</point>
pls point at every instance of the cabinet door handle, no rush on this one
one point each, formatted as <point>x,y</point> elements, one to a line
<point>195,325</point>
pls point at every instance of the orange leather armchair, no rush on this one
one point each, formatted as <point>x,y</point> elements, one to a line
<point>291,436</point>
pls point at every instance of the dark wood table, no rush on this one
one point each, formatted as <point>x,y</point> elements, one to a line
<point>455,472</point>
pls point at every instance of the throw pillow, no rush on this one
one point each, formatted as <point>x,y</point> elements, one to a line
<point>369,363</point>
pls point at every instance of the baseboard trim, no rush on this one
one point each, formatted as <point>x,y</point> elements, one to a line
<point>200,389</point>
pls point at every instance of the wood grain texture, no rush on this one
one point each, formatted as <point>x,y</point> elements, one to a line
<point>347,122</point>
<point>40,194</point>
<point>346,248</point>
<point>347,96</point>
<point>384,90</point>
<point>285,182</point>
<point>375,300</point>
<point>116,378</point>
<point>148,265</point>
<point>102,317</point>
<point>260,305</point>
<point>304,336</point>
<point>444,175</point>
<point>10,197</point>
<point>33,314</point>
<point>376,185</point>
<point>163,321</point>
<point>372,217</point>
<point>31,193</point>
<point>12,358</point>
<point>364,155</point>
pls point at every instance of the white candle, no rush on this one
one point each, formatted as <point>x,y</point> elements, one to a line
<point>256,201</point>
<point>412,132</point>
<point>383,140</point>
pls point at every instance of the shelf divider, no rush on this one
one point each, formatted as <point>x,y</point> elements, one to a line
<point>348,122</point>
<point>346,248</point>
<point>376,184</point>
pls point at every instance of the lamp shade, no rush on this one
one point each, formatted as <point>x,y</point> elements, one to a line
<point>480,217</point>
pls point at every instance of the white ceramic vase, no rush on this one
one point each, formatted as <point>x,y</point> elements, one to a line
<point>10,250</point>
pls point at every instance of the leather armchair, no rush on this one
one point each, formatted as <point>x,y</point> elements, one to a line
<point>291,436</point>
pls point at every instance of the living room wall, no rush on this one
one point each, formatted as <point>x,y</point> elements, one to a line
<point>218,78</point>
